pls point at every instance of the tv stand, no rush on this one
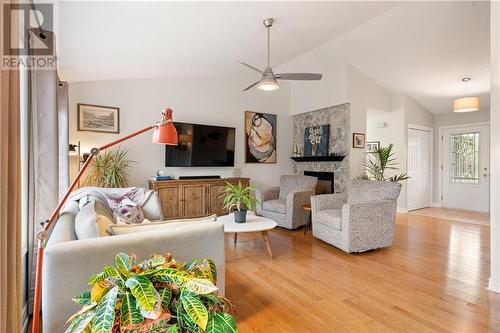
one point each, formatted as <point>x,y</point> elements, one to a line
<point>185,198</point>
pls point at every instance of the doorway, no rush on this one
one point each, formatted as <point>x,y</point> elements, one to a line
<point>465,168</point>
<point>419,167</point>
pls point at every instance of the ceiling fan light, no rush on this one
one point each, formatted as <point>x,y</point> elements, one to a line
<point>466,104</point>
<point>268,85</point>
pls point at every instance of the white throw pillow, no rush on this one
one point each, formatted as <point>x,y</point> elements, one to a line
<point>152,208</point>
<point>92,220</point>
<point>122,229</point>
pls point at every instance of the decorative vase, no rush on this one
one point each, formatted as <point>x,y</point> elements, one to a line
<point>240,216</point>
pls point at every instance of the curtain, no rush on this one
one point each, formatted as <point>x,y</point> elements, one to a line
<point>10,199</point>
<point>48,155</point>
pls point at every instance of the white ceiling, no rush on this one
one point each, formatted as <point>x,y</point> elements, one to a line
<point>115,40</point>
<point>419,48</point>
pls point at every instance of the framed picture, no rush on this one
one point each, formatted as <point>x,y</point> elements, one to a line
<point>98,118</point>
<point>372,146</point>
<point>260,137</point>
<point>358,140</point>
<point>316,140</point>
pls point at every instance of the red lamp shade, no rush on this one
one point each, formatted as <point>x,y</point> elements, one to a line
<point>165,133</point>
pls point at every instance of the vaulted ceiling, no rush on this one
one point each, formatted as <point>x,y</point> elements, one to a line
<point>420,48</point>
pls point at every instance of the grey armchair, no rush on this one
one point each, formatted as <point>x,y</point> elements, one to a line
<point>283,203</point>
<point>361,220</point>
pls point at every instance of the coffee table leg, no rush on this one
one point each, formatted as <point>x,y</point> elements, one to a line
<point>235,237</point>
<point>267,240</point>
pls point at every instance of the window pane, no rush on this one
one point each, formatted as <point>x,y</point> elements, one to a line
<point>464,158</point>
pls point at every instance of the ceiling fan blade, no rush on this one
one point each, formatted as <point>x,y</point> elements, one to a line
<point>251,86</point>
<point>251,67</point>
<point>298,76</point>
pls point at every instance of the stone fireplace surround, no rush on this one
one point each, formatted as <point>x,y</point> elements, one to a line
<point>339,141</point>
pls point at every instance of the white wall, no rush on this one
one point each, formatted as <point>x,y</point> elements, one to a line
<point>495,147</point>
<point>215,100</point>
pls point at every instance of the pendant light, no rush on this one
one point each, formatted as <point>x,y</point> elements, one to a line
<point>467,103</point>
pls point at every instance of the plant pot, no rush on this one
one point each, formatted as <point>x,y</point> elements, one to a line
<point>240,216</point>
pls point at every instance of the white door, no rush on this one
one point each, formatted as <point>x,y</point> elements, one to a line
<point>419,158</point>
<point>465,169</point>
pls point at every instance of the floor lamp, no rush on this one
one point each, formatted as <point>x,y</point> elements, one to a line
<point>164,133</point>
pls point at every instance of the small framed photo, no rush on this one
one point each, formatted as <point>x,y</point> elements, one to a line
<point>372,146</point>
<point>358,140</point>
<point>98,118</point>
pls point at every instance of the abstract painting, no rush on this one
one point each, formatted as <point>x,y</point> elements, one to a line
<point>316,140</point>
<point>97,118</point>
<point>260,137</point>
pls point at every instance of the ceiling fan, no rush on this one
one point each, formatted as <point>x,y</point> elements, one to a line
<point>269,79</point>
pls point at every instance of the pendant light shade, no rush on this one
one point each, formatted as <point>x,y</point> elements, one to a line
<point>165,133</point>
<point>467,103</point>
<point>268,84</point>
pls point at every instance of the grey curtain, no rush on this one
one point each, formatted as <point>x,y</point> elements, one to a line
<point>48,155</point>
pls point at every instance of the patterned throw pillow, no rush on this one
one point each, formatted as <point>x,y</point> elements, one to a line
<point>126,211</point>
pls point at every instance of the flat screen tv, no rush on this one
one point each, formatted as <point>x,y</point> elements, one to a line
<point>201,146</point>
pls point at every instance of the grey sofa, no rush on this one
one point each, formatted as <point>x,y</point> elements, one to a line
<point>283,203</point>
<point>361,220</point>
<point>69,262</point>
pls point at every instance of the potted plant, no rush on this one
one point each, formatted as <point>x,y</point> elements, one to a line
<point>239,199</point>
<point>377,162</point>
<point>109,169</point>
<point>158,295</point>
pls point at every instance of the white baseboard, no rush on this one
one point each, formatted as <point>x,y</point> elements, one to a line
<point>494,286</point>
<point>436,204</point>
<point>402,210</point>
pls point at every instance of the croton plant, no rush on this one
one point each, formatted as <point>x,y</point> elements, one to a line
<point>158,295</point>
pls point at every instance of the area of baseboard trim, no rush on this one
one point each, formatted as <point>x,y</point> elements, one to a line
<point>402,210</point>
<point>436,204</point>
<point>494,286</point>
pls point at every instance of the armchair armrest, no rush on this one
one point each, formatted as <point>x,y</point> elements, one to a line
<point>328,201</point>
<point>297,199</point>
<point>265,195</point>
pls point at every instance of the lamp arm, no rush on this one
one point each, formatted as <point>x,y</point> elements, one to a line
<point>42,235</point>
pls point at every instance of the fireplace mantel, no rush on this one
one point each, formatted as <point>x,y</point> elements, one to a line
<point>328,158</point>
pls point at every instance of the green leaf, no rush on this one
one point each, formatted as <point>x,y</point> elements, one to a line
<point>82,298</point>
<point>129,313</point>
<point>173,329</point>
<point>108,272</point>
<point>155,261</point>
<point>122,261</point>
<point>200,286</point>
<point>171,275</point>
<point>214,325</point>
<point>227,321</point>
<point>81,323</point>
<point>190,264</point>
<point>105,313</point>
<point>165,296</point>
<point>143,291</point>
<point>98,291</point>
<point>213,270</point>
<point>195,309</point>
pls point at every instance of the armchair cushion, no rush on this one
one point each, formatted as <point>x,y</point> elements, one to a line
<point>93,220</point>
<point>331,218</point>
<point>277,206</point>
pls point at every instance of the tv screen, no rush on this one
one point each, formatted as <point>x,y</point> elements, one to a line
<point>201,146</point>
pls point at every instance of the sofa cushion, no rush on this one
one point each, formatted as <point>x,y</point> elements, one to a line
<point>152,208</point>
<point>126,211</point>
<point>331,218</point>
<point>121,229</point>
<point>92,220</point>
<point>277,206</point>
<point>293,183</point>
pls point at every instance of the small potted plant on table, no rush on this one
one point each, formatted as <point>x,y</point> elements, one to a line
<point>239,199</point>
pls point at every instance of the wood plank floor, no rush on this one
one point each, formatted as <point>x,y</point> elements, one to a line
<point>433,279</point>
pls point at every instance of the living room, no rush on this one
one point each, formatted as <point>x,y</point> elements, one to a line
<point>302,175</point>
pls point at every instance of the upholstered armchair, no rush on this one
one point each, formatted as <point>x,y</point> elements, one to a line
<point>283,203</point>
<point>361,220</point>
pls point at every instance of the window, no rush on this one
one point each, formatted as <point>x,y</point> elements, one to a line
<point>464,148</point>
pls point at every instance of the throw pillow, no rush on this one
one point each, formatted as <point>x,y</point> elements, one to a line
<point>116,229</point>
<point>126,211</point>
<point>93,220</point>
<point>152,208</point>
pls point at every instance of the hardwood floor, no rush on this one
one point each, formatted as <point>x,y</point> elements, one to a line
<point>454,215</point>
<point>433,279</point>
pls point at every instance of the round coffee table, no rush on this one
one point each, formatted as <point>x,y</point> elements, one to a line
<point>254,223</point>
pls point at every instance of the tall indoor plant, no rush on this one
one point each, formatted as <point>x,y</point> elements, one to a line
<point>378,162</point>
<point>109,169</point>
<point>240,199</point>
<point>158,295</point>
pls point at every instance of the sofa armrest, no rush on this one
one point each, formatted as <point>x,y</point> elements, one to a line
<point>266,195</point>
<point>69,265</point>
<point>327,202</point>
